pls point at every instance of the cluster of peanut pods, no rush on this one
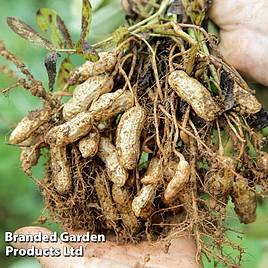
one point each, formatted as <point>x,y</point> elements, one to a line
<point>83,121</point>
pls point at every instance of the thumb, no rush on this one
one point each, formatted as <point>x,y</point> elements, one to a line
<point>49,261</point>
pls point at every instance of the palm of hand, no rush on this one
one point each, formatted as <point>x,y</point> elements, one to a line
<point>244,29</point>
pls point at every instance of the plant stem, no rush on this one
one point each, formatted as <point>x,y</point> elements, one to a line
<point>66,50</point>
<point>199,37</point>
<point>160,11</point>
<point>135,27</point>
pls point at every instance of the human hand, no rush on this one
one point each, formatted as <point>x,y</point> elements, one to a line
<point>181,253</point>
<point>244,35</point>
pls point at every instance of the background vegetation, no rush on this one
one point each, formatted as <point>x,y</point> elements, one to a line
<point>20,201</point>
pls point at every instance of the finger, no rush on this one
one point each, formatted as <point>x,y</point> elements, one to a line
<point>244,42</point>
<point>250,60</point>
<point>223,12</point>
<point>41,247</point>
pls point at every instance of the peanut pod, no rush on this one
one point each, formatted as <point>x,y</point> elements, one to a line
<point>71,131</point>
<point>246,101</point>
<point>244,199</point>
<point>37,137</point>
<point>85,93</point>
<point>110,104</point>
<point>220,183</point>
<point>195,94</point>
<point>105,63</point>
<point>105,201</point>
<point>29,157</point>
<point>28,125</point>
<point>116,172</point>
<point>154,173</point>
<point>123,201</point>
<point>142,204</point>
<point>60,168</point>
<point>89,145</point>
<point>32,140</point>
<point>262,161</point>
<point>178,182</point>
<point>128,136</point>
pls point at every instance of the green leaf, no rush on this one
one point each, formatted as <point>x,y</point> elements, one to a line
<point>60,36</point>
<point>215,138</point>
<point>213,29</point>
<point>82,47</point>
<point>265,131</point>
<point>203,164</point>
<point>28,33</point>
<point>229,148</point>
<point>87,51</point>
<point>86,20</point>
<point>64,31</point>
<point>251,149</point>
<point>44,18</point>
<point>226,142</point>
<point>143,163</point>
<point>189,59</point>
<point>65,68</point>
<point>51,66</point>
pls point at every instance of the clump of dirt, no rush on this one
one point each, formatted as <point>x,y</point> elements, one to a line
<point>157,136</point>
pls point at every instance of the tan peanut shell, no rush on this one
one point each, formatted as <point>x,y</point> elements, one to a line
<point>219,185</point>
<point>195,94</point>
<point>105,200</point>
<point>110,104</point>
<point>29,157</point>
<point>89,145</point>
<point>246,101</point>
<point>85,93</point>
<point>123,201</point>
<point>116,172</point>
<point>37,137</point>
<point>60,168</point>
<point>178,182</point>
<point>244,199</point>
<point>218,194</point>
<point>220,182</point>
<point>154,172</point>
<point>142,204</point>
<point>71,131</point>
<point>106,63</point>
<point>128,136</point>
<point>70,109</point>
<point>120,105</point>
<point>262,161</point>
<point>32,140</point>
<point>28,125</point>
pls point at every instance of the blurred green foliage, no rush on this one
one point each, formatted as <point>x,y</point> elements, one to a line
<point>20,201</point>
